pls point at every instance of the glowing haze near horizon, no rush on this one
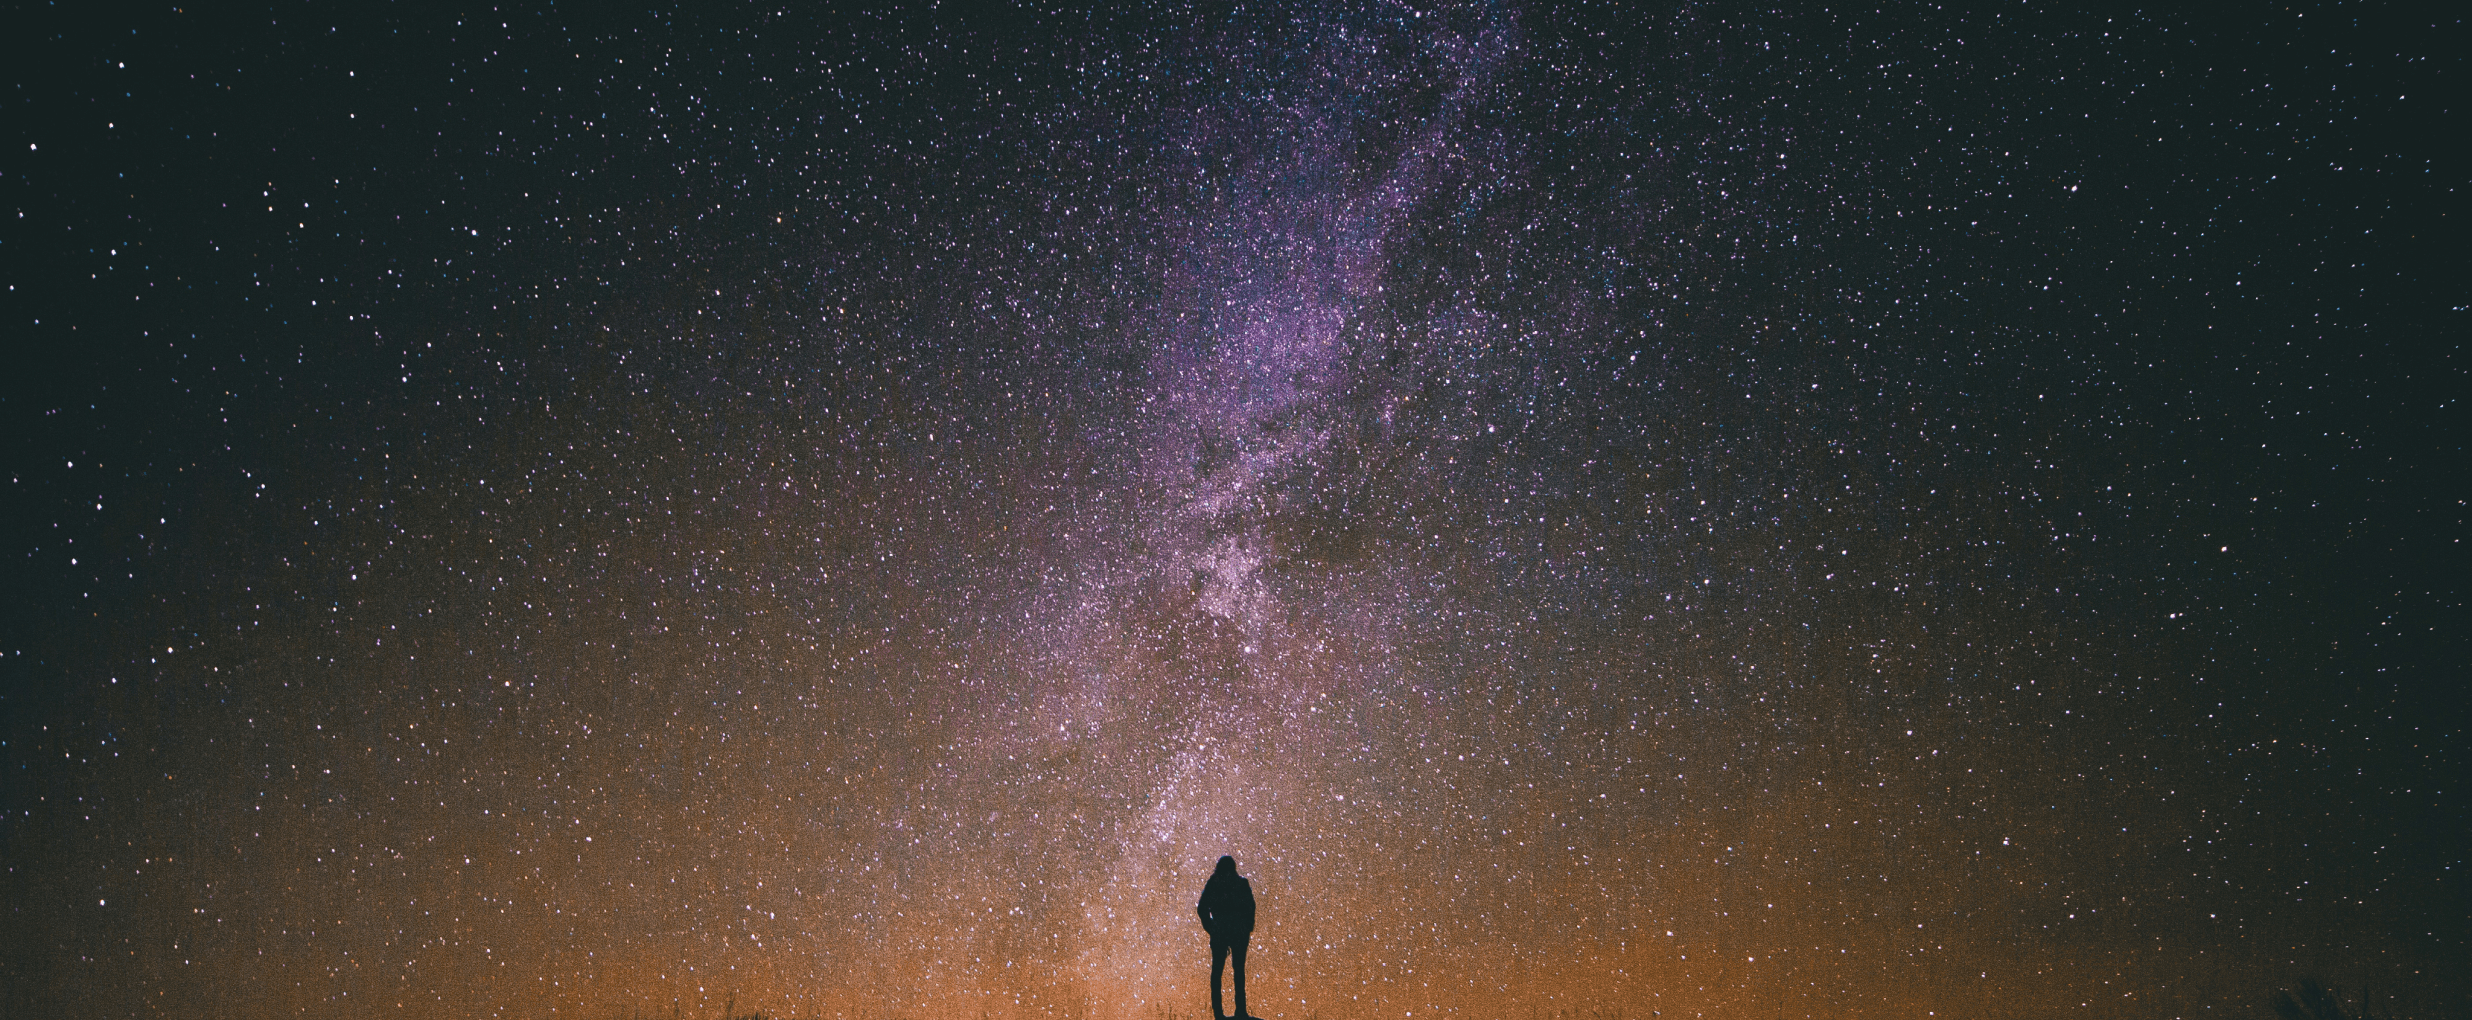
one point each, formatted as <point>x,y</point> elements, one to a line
<point>1703,514</point>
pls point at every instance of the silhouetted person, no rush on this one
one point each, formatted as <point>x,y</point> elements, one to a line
<point>1227,914</point>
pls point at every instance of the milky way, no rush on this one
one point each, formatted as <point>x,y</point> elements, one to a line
<point>1692,512</point>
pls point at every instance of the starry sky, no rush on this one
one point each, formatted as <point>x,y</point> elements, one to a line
<point>1605,511</point>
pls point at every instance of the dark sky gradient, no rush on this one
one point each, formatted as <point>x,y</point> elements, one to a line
<point>1667,511</point>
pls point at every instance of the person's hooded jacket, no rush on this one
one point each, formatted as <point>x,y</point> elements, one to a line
<point>1227,904</point>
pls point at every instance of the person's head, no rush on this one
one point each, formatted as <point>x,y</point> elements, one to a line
<point>1227,865</point>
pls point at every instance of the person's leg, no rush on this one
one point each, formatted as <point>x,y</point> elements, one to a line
<point>1239,950</point>
<point>1218,967</point>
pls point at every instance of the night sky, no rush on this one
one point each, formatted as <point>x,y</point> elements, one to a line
<point>1605,512</point>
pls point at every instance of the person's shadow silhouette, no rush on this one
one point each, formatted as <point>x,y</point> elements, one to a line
<point>1227,914</point>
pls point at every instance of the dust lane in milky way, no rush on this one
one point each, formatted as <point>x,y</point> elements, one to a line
<point>1712,512</point>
